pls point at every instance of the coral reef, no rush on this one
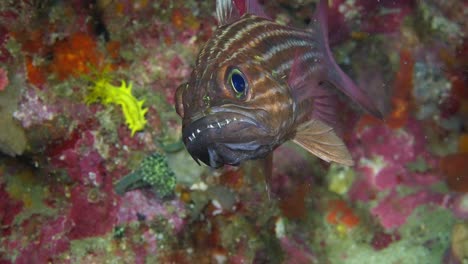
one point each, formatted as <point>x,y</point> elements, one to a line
<point>83,182</point>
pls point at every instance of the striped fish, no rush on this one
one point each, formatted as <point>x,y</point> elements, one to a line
<point>257,84</point>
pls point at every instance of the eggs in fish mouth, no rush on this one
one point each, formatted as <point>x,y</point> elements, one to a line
<point>214,139</point>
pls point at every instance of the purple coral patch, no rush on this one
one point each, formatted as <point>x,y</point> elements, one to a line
<point>394,210</point>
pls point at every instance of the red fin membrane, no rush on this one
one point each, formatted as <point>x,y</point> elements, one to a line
<point>310,93</point>
<point>254,8</point>
<point>335,75</point>
<point>228,11</point>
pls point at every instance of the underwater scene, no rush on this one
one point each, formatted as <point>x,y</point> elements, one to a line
<point>234,131</point>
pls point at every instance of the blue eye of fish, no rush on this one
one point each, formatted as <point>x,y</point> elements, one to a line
<point>238,82</point>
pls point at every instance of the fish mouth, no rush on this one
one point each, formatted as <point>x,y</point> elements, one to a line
<point>226,136</point>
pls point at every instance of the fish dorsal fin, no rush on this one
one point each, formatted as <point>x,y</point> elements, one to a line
<point>228,11</point>
<point>320,140</point>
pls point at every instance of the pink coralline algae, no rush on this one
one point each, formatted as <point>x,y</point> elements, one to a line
<point>93,211</point>
<point>136,204</point>
<point>384,16</point>
<point>78,157</point>
<point>33,111</point>
<point>384,156</point>
<point>295,252</point>
<point>382,240</point>
<point>393,210</point>
<point>178,71</point>
<point>52,238</point>
<point>93,193</point>
<point>375,16</point>
<point>4,36</point>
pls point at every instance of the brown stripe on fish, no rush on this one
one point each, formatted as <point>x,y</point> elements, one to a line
<point>280,110</point>
<point>285,46</point>
<point>254,82</point>
<point>208,52</point>
<point>307,58</point>
<point>271,102</point>
<point>276,107</point>
<point>213,48</point>
<point>230,32</point>
<point>240,35</point>
<point>269,93</point>
<point>272,35</point>
<point>279,58</point>
<point>305,52</point>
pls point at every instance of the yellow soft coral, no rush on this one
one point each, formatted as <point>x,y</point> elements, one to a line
<point>133,110</point>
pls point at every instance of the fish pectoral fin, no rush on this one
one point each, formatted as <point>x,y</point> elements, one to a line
<point>321,140</point>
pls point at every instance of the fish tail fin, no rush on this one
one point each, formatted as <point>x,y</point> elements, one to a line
<point>335,75</point>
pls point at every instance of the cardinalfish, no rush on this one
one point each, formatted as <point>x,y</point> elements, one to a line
<point>257,84</point>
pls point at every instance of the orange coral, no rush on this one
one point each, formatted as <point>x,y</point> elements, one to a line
<point>182,19</point>
<point>3,79</point>
<point>456,70</point>
<point>463,143</point>
<point>293,206</point>
<point>401,100</point>
<point>402,87</point>
<point>342,215</point>
<point>233,179</point>
<point>36,74</point>
<point>177,19</point>
<point>455,169</point>
<point>113,49</point>
<point>365,121</point>
<point>75,56</point>
<point>32,44</point>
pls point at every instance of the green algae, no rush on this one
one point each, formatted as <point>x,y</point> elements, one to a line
<point>430,18</point>
<point>425,236</point>
<point>13,140</point>
<point>340,178</point>
<point>104,249</point>
<point>419,165</point>
<point>24,186</point>
<point>190,172</point>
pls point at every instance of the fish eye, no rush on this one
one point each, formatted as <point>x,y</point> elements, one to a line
<point>238,82</point>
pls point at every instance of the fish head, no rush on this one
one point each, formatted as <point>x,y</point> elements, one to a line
<point>233,110</point>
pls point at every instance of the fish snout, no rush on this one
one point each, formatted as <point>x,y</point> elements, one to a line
<point>205,141</point>
<point>228,139</point>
